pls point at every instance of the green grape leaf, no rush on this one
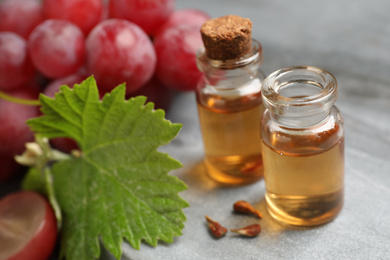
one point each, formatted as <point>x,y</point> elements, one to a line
<point>118,187</point>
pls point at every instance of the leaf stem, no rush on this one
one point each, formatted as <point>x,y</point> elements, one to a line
<point>51,196</point>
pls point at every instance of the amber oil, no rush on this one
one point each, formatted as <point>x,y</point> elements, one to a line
<point>231,139</point>
<point>304,186</point>
<point>230,108</point>
<point>303,146</point>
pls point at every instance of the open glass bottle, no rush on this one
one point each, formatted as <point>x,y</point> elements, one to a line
<point>303,146</point>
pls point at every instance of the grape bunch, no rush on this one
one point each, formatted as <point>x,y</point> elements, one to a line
<point>147,44</point>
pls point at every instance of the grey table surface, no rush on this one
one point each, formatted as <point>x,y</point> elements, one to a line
<point>351,39</point>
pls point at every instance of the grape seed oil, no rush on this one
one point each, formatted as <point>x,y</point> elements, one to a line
<point>305,187</point>
<point>229,100</point>
<point>302,146</point>
<point>231,139</point>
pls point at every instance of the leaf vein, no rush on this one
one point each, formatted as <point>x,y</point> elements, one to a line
<point>63,115</point>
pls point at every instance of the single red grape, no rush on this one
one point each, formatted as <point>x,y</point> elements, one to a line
<point>55,85</point>
<point>28,227</point>
<point>20,16</point>
<point>148,14</point>
<point>176,57</point>
<point>64,144</point>
<point>86,14</point>
<point>119,51</point>
<point>14,132</point>
<point>9,167</point>
<point>15,65</point>
<point>57,48</point>
<point>185,16</point>
<point>156,92</point>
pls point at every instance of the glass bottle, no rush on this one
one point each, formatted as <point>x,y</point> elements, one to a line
<point>230,107</point>
<point>303,146</point>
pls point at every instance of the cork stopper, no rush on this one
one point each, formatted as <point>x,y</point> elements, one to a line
<point>227,37</point>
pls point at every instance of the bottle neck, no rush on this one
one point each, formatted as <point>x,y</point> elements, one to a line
<point>300,96</point>
<point>232,74</point>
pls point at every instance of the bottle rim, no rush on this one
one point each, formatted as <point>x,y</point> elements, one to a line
<point>324,80</point>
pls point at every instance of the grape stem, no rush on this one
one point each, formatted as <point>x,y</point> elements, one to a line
<point>40,155</point>
<point>29,102</point>
<point>52,197</point>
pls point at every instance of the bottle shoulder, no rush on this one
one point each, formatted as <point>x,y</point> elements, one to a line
<point>316,138</point>
<point>230,99</point>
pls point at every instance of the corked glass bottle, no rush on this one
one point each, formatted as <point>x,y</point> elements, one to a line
<point>229,100</point>
<point>303,146</point>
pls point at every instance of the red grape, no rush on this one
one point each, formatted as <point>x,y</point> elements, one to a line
<point>20,16</point>
<point>148,14</point>
<point>9,167</point>
<point>57,48</point>
<point>64,144</point>
<point>86,14</point>
<point>55,85</point>
<point>119,51</point>
<point>185,16</point>
<point>157,93</point>
<point>15,65</point>
<point>28,227</point>
<point>14,132</point>
<point>176,57</point>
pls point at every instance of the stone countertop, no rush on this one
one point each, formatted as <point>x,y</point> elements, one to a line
<point>350,39</point>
